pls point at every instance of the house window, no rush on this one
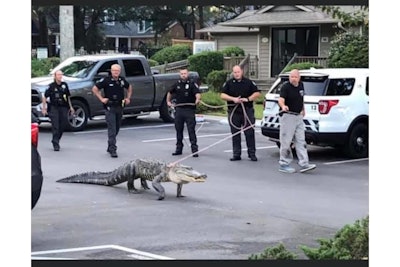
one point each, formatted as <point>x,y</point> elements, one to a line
<point>144,26</point>
<point>287,41</point>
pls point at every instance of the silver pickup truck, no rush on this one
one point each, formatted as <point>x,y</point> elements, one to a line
<point>81,72</point>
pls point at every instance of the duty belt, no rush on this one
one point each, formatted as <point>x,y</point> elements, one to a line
<point>115,103</point>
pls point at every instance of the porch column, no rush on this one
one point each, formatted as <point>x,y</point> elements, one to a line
<point>116,44</point>
<point>129,45</point>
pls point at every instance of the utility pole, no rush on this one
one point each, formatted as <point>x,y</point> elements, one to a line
<point>67,44</point>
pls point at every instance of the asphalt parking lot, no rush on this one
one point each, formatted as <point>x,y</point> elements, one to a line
<point>241,209</point>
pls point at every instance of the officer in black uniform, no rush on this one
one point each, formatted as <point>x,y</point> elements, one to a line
<point>58,107</point>
<point>187,95</point>
<point>237,91</point>
<point>113,101</point>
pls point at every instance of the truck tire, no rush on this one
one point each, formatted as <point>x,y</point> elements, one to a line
<point>78,121</point>
<point>167,114</point>
<point>357,142</point>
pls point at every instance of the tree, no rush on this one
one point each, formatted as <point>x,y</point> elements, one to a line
<point>349,49</point>
<point>358,18</point>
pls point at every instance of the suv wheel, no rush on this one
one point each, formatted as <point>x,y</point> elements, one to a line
<point>78,121</point>
<point>357,143</point>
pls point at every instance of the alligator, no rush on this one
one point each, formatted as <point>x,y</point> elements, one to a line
<point>147,170</point>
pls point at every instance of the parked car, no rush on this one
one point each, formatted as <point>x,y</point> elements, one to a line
<point>81,73</point>
<point>336,105</point>
<point>36,164</point>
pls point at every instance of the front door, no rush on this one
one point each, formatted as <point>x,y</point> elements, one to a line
<point>287,41</point>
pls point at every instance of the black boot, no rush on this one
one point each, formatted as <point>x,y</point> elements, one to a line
<point>177,152</point>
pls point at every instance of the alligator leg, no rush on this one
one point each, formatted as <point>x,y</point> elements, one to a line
<point>131,185</point>
<point>143,182</point>
<point>158,187</point>
<point>179,190</point>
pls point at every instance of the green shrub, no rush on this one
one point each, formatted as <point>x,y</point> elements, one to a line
<point>349,243</point>
<point>212,99</point>
<point>172,53</point>
<point>216,79</point>
<point>278,252</point>
<point>302,66</point>
<point>41,67</point>
<point>206,62</point>
<point>232,51</point>
<point>349,50</point>
<point>153,63</point>
<point>260,99</point>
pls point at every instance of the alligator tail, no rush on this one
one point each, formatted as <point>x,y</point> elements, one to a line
<point>100,178</point>
<point>117,176</point>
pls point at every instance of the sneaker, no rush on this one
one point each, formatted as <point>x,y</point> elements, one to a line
<point>308,167</point>
<point>286,168</point>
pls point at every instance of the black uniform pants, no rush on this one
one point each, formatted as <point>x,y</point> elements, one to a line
<point>59,119</point>
<point>238,120</point>
<point>185,115</point>
<point>113,119</point>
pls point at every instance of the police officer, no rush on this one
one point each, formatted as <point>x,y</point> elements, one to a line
<point>58,107</point>
<point>239,91</point>
<point>187,95</point>
<point>113,101</point>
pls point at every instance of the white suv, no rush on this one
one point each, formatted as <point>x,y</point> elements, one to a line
<point>337,108</point>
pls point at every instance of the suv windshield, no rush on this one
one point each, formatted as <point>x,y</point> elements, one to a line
<point>313,85</point>
<point>76,69</point>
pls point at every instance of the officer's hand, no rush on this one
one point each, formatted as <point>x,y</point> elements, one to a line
<point>44,111</point>
<point>104,100</point>
<point>127,101</point>
<point>71,110</point>
<point>197,102</point>
<point>169,103</point>
<point>285,108</point>
<point>237,100</point>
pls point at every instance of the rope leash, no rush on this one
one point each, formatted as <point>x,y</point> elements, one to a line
<point>241,129</point>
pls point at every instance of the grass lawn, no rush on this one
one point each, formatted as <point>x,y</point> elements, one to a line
<point>257,107</point>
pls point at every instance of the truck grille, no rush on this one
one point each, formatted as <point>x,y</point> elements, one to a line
<point>36,97</point>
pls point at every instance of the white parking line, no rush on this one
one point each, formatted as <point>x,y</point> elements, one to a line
<point>245,149</point>
<point>135,253</point>
<point>127,128</point>
<point>345,161</point>
<point>186,137</point>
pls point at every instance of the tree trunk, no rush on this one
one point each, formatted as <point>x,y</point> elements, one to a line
<point>201,20</point>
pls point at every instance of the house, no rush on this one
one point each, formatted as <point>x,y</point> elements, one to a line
<point>272,35</point>
<point>119,37</point>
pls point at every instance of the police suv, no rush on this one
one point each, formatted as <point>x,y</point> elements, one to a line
<point>336,105</point>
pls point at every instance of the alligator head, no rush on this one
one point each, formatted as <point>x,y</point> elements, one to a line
<point>182,174</point>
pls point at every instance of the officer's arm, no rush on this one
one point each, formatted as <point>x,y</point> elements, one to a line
<point>128,95</point>
<point>254,96</point>
<point>44,102</point>
<point>70,104</point>
<point>169,99</point>
<point>198,98</point>
<point>97,93</point>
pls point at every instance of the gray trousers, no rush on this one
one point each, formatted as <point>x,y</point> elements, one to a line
<point>292,129</point>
